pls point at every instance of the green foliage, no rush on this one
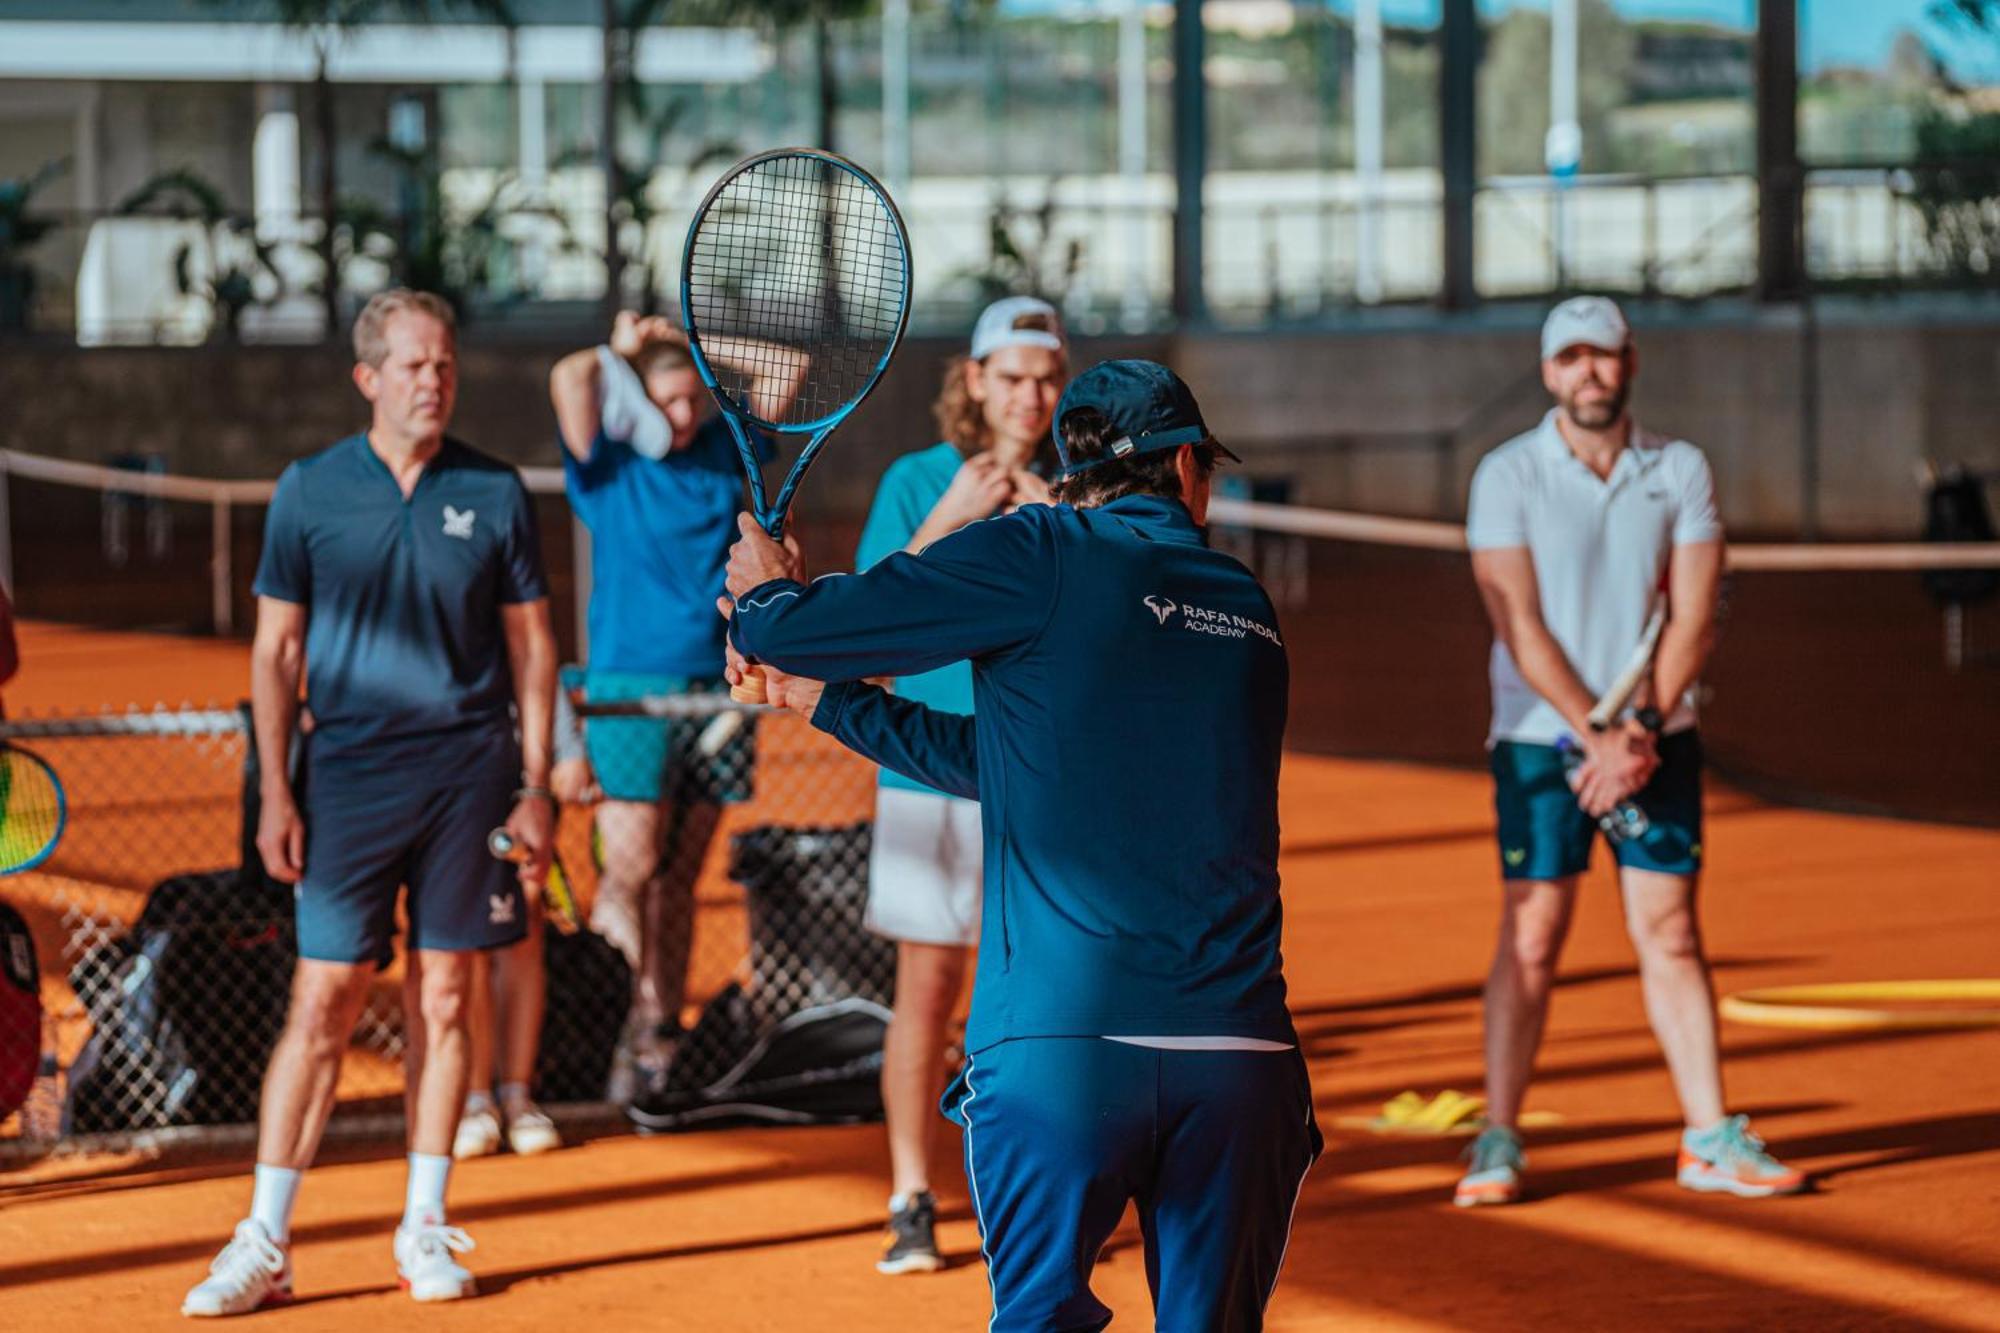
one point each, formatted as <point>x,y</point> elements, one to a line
<point>237,269</point>
<point>1514,86</point>
<point>457,252</point>
<point>349,14</point>
<point>1957,194</point>
<point>20,226</point>
<point>1024,255</point>
<point>21,229</point>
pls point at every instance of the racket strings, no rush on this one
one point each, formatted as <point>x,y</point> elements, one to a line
<point>30,809</point>
<point>797,257</point>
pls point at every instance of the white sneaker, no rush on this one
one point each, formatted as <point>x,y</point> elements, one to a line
<point>530,1131</point>
<point>478,1133</point>
<point>424,1262</point>
<point>252,1271</point>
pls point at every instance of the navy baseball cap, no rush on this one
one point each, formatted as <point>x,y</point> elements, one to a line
<point>1148,406</point>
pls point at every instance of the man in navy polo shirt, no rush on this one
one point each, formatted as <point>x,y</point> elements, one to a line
<point>1129,1038</point>
<point>654,474</point>
<point>402,567</point>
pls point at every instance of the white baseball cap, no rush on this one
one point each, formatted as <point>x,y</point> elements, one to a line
<point>999,326</point>
<point>1594,320</point>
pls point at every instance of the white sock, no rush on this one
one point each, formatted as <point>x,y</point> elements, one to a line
<point>479,1100</point>
<point>425,1201</point>
<point>271,1200</point>
<point>513,1096</point>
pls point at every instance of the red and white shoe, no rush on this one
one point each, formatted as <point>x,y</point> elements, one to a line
<point>252,1272</point>
<point>424,1261</point>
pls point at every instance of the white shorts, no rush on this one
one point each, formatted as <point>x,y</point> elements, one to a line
<point>924,872</point>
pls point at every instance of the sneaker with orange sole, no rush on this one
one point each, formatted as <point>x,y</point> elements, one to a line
<point>1495,1163</point>
<point>1726,1158</point>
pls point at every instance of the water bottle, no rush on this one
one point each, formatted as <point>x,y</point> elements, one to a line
<point>1624,821</point>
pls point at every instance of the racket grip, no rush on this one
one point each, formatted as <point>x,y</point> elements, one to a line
<point>750,690</point>
<point>501,843</point>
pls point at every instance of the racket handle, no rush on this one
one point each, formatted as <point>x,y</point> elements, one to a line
<point>501,843</point>
<point>751,689</point>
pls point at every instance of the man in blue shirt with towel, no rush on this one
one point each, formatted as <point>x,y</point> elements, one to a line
<point>1129,1038</point>
<point>653,472</point>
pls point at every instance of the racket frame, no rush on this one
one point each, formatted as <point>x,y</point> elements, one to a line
<point>14,753</point>
<point>1613,700</point>
<point>771,516</point>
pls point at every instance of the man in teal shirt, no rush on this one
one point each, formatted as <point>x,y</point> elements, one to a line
<point>924,874</point>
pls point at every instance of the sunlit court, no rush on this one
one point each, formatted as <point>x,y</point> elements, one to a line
<point>1003,665</point>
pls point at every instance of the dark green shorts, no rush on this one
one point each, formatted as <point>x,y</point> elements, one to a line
<point>1545,835</point>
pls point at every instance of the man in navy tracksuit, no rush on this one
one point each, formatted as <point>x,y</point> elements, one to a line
<point>1129,1037</point>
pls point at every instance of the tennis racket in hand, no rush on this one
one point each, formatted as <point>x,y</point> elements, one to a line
<point>33,810</point>
<point>558,898</point>
<point>1626,820</point>
<point>795,288</point>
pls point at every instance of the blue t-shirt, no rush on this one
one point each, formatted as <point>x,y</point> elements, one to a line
<point>406,656</point>
<point>1131,686</point>
<point>910,489</point>
<point>660,533</point>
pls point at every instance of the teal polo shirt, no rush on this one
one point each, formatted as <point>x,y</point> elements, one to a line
<point>909,490</point>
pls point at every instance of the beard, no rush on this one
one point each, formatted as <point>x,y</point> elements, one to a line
<point>1597,413</point>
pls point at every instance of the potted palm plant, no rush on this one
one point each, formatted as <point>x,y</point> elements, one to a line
<point>21,229</point>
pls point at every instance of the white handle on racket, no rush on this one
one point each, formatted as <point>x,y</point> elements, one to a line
<point>501,843</point>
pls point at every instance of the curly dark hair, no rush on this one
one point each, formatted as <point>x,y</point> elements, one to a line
<point>1086,435</point>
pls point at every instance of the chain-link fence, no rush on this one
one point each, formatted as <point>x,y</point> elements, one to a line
<point>718,860</point>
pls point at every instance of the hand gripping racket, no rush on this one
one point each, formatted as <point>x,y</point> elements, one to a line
<point>558,898</point>
<point>33,810</point>
<point>795,287</point>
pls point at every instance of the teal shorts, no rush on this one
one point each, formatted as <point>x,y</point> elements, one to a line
<point>653,759</point>
<point>1545,835</point>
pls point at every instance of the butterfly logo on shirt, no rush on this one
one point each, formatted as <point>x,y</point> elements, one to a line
<point>458,523</point>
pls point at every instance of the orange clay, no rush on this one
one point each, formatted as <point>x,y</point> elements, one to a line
<point>1390,911</point>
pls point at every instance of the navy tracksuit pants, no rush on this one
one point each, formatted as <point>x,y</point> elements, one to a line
<point>1060,1133</point>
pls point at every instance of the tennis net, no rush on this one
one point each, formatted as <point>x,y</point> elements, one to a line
<point>1862,676</point>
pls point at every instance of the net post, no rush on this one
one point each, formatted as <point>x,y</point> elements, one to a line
<point>221,601</point>
<point>6,531</point>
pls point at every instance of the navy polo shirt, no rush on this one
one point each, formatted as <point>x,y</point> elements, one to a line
<point>406,656</point>
<point>1130,689</point>
<point>660,531</point>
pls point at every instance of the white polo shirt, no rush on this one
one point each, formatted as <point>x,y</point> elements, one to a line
<point>1600,549</point>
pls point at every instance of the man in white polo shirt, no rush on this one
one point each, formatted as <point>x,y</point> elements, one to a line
<point>1573,527</point>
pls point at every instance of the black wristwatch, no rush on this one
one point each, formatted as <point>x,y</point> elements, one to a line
<point>1649,718</point>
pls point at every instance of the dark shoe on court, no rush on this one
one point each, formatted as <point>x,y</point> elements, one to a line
<point>912,1244</point>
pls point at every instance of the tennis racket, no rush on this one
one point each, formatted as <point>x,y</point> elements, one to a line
<point>795,287</point>
<point>558,898</point>
<point>33,810</point>
<point>1627,682</point>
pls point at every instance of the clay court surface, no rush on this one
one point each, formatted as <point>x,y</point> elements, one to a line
<point>1390,894</point>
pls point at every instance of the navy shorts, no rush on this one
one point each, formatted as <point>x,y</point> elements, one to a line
<point>1061,1132</point>
<point>365,838</point>
<point>1545,835</point>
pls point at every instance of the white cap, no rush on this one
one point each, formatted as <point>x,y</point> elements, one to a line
<point>1595,320</point>
<point>997,326</point>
